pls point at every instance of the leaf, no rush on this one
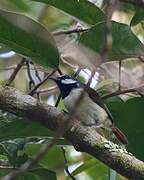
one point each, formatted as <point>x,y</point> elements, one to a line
<point>138,17</point>
<point>125,43</point>
<point>13,150</point>
<point>53,159</point>
<point>129,118</point>
<point>20,4</point>
<point>27,37</point>
<point>93,168</point>
<point>44,173</point>
<point>81,9</point>
<point>22,128</point>
<point>90,163</point>
<point>33,174</point>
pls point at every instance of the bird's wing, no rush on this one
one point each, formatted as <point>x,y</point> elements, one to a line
<point>98,100</point>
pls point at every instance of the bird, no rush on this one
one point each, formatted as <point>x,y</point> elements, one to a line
<point>91,110</point>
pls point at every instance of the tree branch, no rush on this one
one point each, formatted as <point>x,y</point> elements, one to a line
<point>134,2</point>
<point>120,92</point>
<point>86,138</point>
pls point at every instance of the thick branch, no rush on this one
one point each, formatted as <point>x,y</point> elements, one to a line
<point>134,2</point>
<point>86,138</point>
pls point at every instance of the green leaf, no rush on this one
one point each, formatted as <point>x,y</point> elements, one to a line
<point>27,37</point>
<point>33,174</point>
<point>93,168</point>
<point>129,117</point>
<point>22,128</point>
<point>53,159</point>
<point>138,17</point>
<point>81,9</point>
<point>89,164</point>
<point>125,43</point>
<point>20,4</point>
<point>44,174</point>
<point>13,150</point>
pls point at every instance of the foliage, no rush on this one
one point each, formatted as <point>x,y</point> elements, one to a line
<point>49,47</point>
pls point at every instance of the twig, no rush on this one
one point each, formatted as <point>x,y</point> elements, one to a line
<point>109,9</point>
<point>59,71</point>
<point>77,72</point>
<point>60,95</point>
<point>38,85</point>
<point>48,91</point>
<point>120,63</point>
<point>77,30</point>
<point>7,167</point>
<point>31,81</point>
<point>36,72</point>
<point>8,68</point>
<point>58,100</point>
<point>16,70</point>
<point>23,67</point>
<point>66,166</point>
<point>139,3</point>
<point>121,92</point>
<point>141,58</point>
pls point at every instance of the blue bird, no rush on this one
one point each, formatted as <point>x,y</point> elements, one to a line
<point>91,110</point>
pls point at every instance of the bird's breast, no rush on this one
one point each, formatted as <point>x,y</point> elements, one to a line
<point>86,110</point>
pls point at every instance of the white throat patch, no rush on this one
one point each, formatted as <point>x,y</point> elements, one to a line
<point>69,81</point>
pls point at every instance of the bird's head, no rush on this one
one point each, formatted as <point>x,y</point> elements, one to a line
<point>66,83</point>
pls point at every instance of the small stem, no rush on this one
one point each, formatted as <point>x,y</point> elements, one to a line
<point>58,100</point>
<point>31,81</point>
<point>139,3</point>
<point>141,58</point>
<point>31,93</point>
<point>36,72</point>
<point>77,72</point>
<point>77,30</point>
<point>59,71</point>
<point>60,95</point>
<point>120,63</point>
<point>122,92</point>
<point>16,70</point>
<point>48,91</point>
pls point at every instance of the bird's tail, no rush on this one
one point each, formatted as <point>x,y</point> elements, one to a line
<point>119,134</point>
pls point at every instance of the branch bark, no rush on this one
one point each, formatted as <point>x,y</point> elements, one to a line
<point>139,3</point>
<point>86,138</point>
